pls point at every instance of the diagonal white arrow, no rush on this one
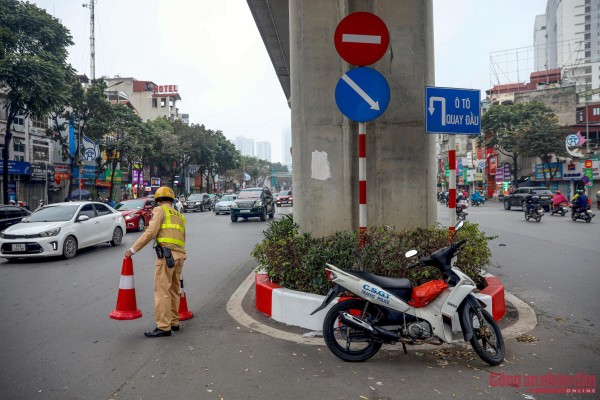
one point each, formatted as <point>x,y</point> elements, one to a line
<point>374,104</point>
<point>432,108</point>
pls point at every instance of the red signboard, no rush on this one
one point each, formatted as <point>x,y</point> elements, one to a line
<point>587,164</point>
<point>361,38</point>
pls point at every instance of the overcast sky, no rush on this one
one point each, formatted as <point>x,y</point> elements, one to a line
<point>212,50</point>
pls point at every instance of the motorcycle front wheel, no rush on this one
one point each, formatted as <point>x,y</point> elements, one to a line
<point>345,342</point>
<point>487,339</point>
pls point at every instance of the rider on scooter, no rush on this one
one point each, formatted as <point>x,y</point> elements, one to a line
<point>531,202</point>
<point>581,203</point>
<point>557,200</point>
<point>476,196</point>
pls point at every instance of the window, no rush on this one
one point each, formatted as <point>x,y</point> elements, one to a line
<point>40,152</point>
<point>40,122</point>
<point>163,102</point>
<point>580,115</point>
<point>154,103</point>
<point>102,209</point>
<point>19,121</point>
<point>88,210</point>
<point>596,111</point>
<point>18,146</point>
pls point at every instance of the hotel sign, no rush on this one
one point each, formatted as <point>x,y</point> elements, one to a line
<point>165,89</point>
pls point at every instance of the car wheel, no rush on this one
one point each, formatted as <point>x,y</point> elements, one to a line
<point>263,214</point>
<point>141,224</point>
<point>507,204</point>
<point>117,237</point>
<point>234,218</point>
<point>216,213</point>
<point>70,247</point>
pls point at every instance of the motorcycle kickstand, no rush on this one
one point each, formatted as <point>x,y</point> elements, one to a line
<point>404,347</point>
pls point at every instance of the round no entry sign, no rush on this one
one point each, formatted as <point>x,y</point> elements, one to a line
<point>361,38</point>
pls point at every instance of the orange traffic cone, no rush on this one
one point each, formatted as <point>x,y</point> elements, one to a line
<point>184,313</point>
<point>126,304</point>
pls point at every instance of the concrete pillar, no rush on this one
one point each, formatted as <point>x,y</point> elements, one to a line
<point>401,170</point>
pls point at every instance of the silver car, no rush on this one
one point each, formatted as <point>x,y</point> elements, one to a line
<point>224,205</point>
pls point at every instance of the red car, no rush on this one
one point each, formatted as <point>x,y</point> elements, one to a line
<point>136,212</point>
<point>284,197</point>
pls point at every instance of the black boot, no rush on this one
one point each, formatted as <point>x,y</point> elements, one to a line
<point>157,333</point>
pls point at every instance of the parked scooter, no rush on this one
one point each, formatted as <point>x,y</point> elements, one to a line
<point>561,209</point>
<point>388,310</point>
<point>585,214</point>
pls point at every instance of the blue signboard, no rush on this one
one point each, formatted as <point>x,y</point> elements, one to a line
<point>362,94</point>
<point>452,111</point>
<point>89,172</point>
<point>16,167</point>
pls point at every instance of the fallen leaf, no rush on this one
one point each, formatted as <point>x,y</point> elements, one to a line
<point>527,338</point>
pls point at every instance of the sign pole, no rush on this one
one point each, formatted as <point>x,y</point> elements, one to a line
<point>452,181</point>
<point>362,179</point>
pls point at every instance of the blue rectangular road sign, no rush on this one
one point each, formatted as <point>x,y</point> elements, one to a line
<point>452,111</point>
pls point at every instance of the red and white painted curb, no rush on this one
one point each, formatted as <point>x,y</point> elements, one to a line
<point>292,307</point>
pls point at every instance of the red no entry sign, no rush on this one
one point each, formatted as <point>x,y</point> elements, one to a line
<point>361,38</point>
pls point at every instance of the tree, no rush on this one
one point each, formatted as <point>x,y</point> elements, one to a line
<point>85,110</point>
<point>123,121</point>
<point>506,125</point>
<point>33,66</point>
<point>544,138</point>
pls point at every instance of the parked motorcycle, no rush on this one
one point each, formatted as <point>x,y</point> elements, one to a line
<point>561,209</point>
<point>585,214</point>
<point>535,212</point>
<point>388,310</point>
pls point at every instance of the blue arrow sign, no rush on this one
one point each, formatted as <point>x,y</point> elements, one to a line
<point>452,111</point>
<point>362,94</point>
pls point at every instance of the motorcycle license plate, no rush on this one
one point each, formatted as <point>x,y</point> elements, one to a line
<point>19,247</point>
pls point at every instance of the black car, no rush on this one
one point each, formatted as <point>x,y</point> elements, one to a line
<point>197,202</point>
<point>10,215</point>
<point>253,202</point>
<point>517,198</point>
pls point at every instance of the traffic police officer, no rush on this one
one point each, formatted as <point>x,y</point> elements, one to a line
<point>167,226</point>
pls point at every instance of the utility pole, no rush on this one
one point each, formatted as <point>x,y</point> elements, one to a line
<point>92,40</point>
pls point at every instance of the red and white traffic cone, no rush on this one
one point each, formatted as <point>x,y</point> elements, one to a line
<point>184,313</point>
<point>126,303</point>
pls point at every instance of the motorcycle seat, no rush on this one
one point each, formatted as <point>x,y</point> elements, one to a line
<point>384,282</point>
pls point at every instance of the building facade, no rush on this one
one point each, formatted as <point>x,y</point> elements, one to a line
<point>245,146</point>
<point>263,151</point>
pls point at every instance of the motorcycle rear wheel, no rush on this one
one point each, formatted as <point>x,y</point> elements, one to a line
<point>345,342</point>
<point>486,337</point>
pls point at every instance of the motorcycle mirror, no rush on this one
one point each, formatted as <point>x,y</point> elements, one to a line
<point>459,225</point>
<point>410,253</point>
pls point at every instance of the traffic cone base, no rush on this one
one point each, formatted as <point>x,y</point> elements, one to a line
<point>126,304</point>
<point>184,313</point>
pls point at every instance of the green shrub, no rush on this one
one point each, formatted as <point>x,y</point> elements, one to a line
<point>297,260</point>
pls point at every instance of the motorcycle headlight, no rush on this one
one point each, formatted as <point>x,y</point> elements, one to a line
<point>50,232</point>
<point>234,205</point>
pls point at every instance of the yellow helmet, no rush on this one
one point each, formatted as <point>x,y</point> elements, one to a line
<point>164,193</point>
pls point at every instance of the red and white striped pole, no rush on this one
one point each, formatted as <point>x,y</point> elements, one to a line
<point>362,179</point>
<point>452,181</point>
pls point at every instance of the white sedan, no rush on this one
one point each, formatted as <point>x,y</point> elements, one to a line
<point>62,229</point>
<point>224,204</point>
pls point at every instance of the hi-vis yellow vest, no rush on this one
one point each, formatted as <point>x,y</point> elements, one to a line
<point>172,230</point>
